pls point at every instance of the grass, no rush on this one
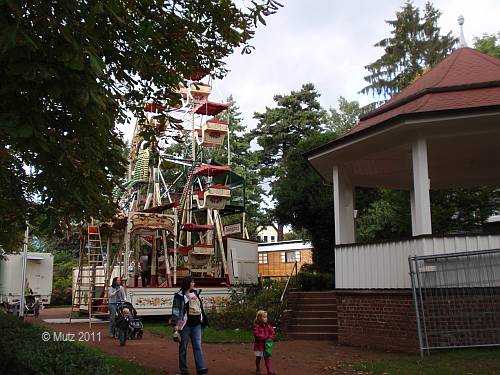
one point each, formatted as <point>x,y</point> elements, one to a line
<point>210,335</point>
<point>457,362</point>
<point>119,365</point>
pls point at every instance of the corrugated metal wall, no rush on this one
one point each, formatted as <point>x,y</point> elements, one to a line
<point>385,265</point>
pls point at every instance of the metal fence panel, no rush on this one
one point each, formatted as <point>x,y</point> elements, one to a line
<point>457,299</point>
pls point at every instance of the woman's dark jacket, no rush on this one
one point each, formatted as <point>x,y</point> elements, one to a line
<point>179,311</point>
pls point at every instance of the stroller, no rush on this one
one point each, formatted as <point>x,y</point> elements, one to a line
<point>33,304</point>
<point>127,324</point>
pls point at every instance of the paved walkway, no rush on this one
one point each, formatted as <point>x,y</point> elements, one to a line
<point>159,353</point>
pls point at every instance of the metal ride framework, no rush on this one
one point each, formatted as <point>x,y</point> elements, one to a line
<point>172,205</point>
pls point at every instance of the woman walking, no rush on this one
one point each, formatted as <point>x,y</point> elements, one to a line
<point>189,318</point>
<point>116,293</point>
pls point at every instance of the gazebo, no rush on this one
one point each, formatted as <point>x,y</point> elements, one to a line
<point>442,131</point>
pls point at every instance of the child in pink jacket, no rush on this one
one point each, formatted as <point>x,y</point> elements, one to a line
<point>262,331</point>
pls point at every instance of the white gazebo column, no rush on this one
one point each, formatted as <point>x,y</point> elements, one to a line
<point>343,198</point>
<point>420,198</point>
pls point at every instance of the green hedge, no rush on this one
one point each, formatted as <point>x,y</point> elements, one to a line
<point>311,281</point>
<point>240,309</point>
<point>24,352</point>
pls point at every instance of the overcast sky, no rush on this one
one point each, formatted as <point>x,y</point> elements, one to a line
<point>328,43</point>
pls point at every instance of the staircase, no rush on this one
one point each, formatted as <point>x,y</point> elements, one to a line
<point>312,316</point>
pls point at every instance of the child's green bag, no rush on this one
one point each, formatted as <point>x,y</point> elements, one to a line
<point>268,348</point>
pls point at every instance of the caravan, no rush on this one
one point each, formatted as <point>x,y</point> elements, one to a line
<point>39,269</point>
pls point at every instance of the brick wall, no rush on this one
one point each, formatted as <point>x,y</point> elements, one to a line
<point>462,316</point>
<point>382,319</point>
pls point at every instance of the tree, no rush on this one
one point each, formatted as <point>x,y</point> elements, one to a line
<point>71,70</point>
<point>385,215</point>
<point>296,116</point>
<point>488,43</point>
<point>304,201</point>
<point>388,215</point>
<point>415,44</point>
<point>347,115</point>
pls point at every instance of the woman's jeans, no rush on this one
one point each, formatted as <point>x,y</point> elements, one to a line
<point>112,316</point>
<point>195,334</point>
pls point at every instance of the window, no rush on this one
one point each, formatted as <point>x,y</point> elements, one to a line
<point>262,258</point>
<point>290,256</point>
<point>272,238</point>
<point>265,238</point>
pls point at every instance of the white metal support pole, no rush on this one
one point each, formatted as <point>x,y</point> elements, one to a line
<point>126,255</point>
<point>23,272</point>
<point>228,142</point>
<point>343,198</point>
<point>421,203</point>
<point>167,261</point>
<point>176,238</point>
<point>244,228</point>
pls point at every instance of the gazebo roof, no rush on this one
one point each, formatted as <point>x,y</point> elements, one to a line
<point>466,78</point>
<point>455,107</point>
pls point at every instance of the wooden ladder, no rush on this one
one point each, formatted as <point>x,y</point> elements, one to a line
<point>88,280</point>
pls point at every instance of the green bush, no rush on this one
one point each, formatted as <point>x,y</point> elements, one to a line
<point>24,352</point>
<point>239,310</point>
<point>310,281</point>
<point>61,297</point>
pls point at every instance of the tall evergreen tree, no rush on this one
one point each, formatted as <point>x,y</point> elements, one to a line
<point>416,43</point>
<point>296,116</point>
<point>305,202</point>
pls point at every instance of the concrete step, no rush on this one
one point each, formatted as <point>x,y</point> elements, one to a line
<point>312,329</point>
<point>316,307</point>
<point>312,336</point>
<point>313,321</point>
<point>300,314</point>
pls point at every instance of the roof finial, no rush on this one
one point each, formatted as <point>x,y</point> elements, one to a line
<point>461,41</point>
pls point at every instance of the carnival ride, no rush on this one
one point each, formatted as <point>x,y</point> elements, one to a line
<point>171,205</point>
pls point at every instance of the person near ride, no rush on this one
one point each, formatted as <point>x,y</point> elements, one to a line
<point>189,318</point>
<point>116,293</point>
<point>262,331</point>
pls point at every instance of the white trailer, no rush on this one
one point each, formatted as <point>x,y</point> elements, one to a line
<point>242,266</point>
<point>39,271</point>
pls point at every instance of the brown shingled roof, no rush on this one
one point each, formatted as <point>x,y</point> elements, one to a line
<point>466,78</point>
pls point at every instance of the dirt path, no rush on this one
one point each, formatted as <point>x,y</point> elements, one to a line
<point>159,353</point>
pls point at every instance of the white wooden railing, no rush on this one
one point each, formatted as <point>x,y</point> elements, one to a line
<point>385,265</point>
